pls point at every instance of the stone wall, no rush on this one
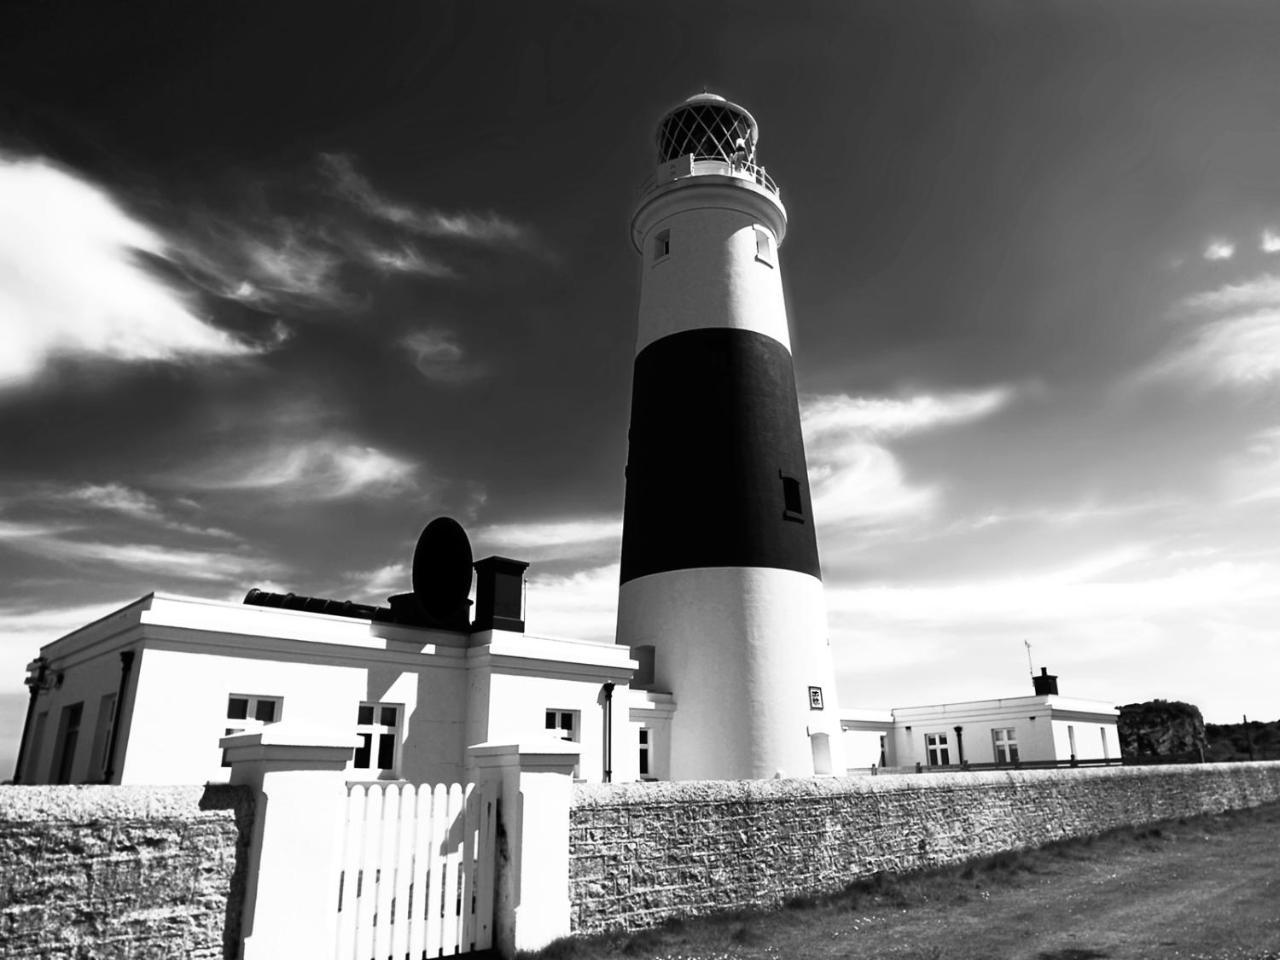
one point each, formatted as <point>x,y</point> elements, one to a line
<point>112,872</point>
<point>641,853</point>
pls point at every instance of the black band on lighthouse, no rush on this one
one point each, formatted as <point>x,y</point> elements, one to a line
<point>716,466</point>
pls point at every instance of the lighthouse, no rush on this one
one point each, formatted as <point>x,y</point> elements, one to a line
<point>720,579</point>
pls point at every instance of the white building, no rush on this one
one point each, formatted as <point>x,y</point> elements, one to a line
<point>144,694</point>
<point>1043,728</point>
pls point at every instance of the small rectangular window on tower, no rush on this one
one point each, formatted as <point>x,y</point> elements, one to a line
<point>764,246</point>
<point>792,504</point>
<point>661,245</point>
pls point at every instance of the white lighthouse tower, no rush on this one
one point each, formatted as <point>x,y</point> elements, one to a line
<point>720,572</point>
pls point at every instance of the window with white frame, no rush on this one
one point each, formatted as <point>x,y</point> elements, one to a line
<point>1004,742</point>
<point>563,724</point>
<point>935,747</point>
<point>646,744</point>
<point>764,246</point>
<point>250,712</point>
<point>378,729</point>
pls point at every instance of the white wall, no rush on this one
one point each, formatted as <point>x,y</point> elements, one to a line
<point>738,647</point>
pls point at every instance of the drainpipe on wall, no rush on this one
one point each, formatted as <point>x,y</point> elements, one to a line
<point>608,733</point>
<point>34,681</point>
<point>960,744</point>
<point>126,667</point>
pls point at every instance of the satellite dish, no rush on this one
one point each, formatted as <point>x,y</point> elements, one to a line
<point>442,568</point>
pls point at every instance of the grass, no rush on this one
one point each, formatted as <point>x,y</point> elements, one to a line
<point>1198,889</point>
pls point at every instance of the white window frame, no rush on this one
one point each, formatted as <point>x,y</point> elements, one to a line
<point>1004,744</point>
<point>645,735</point>
<point>250,722</point>
<point>375,729</point>
<point>937,750</point>
<point>553,722</point>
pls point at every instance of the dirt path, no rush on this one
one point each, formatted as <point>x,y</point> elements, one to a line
<point>1206,889</point>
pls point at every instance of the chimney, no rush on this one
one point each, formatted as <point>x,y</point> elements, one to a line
<point>500,594</point>
<point>1046,683</point>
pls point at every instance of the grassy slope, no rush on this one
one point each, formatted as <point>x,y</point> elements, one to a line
<point>1185,890</point>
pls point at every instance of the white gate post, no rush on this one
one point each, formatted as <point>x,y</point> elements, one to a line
<point>532,904</point>
<point>291,884</point>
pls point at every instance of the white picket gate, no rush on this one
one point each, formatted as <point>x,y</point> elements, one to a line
<point>417,871</point>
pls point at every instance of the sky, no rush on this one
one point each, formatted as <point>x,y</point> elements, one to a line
<point>280,283</point>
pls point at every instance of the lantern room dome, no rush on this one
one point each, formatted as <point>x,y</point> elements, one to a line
<point>707,127</point>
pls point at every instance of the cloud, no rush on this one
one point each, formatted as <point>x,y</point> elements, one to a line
<point>27,629</point>
<point>440,357</point>
<point>72,282</point>
<point>374,586</point>
<point>581,605</point>
<point>117,498</point>
<point>1087,589</point>
<point>1219,250</point>
<point>555,539</point>
<point>1270,242</point>
<point>166,561</point>
<point>323,469</point>
<point>1261,291</point>
<point>353,186</point>
<point>890,417</point>
<point>854,477</point>
<point>1234,339</point>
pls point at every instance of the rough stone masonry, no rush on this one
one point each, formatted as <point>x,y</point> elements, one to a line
<point>641,853</point>
<point>113,872</point>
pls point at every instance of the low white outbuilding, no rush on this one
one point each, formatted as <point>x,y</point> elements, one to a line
<point>144,695</point>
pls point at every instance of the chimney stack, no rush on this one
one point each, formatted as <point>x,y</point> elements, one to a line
<point>1046,683</point>
<point>500,594</point>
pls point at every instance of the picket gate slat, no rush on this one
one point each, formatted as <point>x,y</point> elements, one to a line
<point>486,866</point>
<point>366,886</point>
<point>417,916</point>
<point>467,879</point>
<point>399,934</point>
<point>353,832</point>
<point>452,863</point>
<point>435,870</point>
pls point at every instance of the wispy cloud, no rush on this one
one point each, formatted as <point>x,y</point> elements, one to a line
<point>374,586</point>
<point>569,538</point>
<point>155,559</point>
<point>440,357</point>
<point>320,469</point>
<point>854,476</point>
<point>1234,338</point>
<point>1219,250</point>
<point>71,281</point>
<point>355,187</point>
<point>582,605</point>
<point>132,503</point>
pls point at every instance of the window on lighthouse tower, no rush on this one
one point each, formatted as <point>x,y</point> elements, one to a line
<point>764,246</point>
<point>662,245</point>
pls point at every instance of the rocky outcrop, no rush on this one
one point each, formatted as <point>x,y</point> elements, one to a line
<point>1166,730</point>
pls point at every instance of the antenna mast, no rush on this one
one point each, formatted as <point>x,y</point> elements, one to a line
<point>1030,669</point>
